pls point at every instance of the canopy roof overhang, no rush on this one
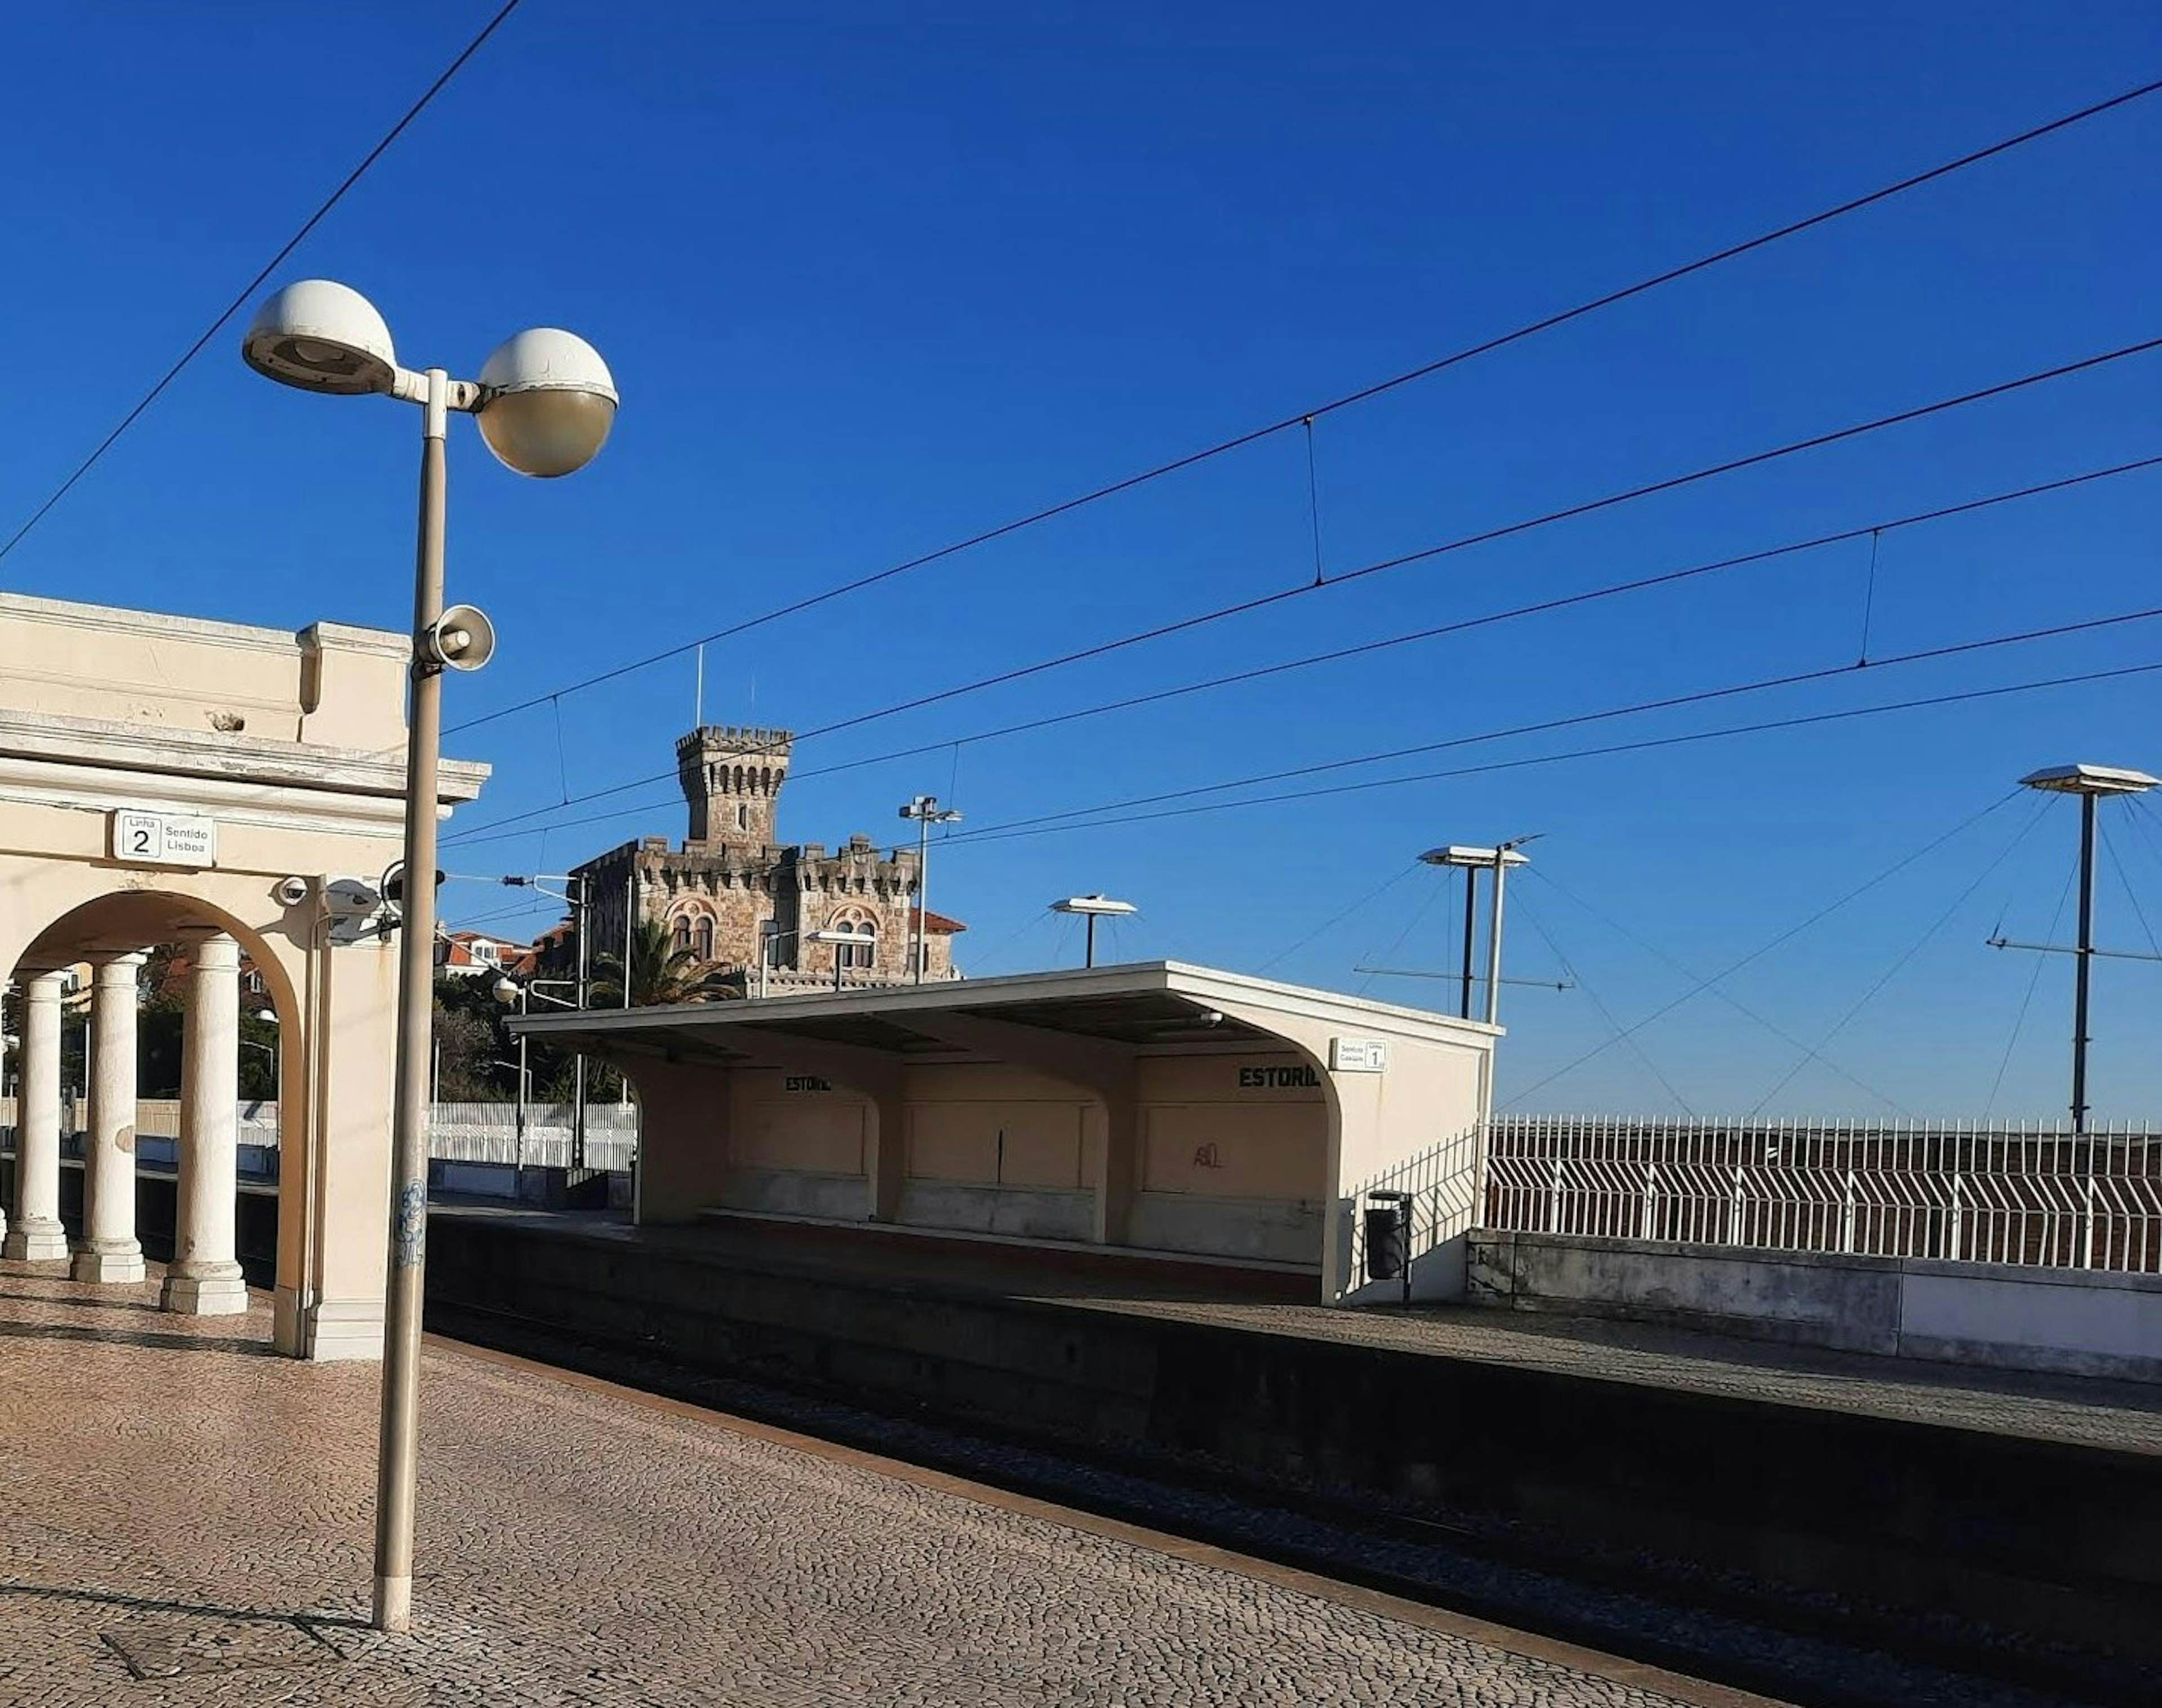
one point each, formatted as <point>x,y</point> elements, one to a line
<point>1148,1005</point>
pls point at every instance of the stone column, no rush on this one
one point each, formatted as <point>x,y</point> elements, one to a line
<point>204,1280</point>
<point>109,1250</point>
<point>35,1234</point>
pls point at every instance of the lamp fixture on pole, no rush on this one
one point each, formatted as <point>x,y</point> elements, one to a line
<point>544,402</point>
<point>1093,908</point>
<point>927,812</point>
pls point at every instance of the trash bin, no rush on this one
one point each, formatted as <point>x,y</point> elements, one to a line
<point>1388,1234</point>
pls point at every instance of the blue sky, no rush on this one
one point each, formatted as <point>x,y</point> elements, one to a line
<point>871,280</point>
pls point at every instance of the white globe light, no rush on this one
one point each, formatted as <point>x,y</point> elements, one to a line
<point>321,336</point>
<point>548,402</point>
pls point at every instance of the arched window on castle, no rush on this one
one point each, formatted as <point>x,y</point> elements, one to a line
<point>702,938</point>
<point>683,942</point>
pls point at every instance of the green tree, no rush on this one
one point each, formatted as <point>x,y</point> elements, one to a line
<point>660,973</point>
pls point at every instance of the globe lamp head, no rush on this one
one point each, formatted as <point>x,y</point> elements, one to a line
<point>321,336</point>
<point>547,402</point>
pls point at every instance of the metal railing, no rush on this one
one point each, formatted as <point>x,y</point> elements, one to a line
<point>488,1132</point>
<point>2036,1194</point>
<point>457,1132</point>
<point>1443,1184</point>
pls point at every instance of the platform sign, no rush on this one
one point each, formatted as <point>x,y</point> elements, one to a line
<point>1357,1056</point>
<point>144,837</point>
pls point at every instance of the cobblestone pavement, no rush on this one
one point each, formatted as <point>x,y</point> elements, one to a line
<point>186,1519</point>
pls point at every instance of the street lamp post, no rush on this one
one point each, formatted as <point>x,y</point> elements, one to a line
<point>927,812</point>
<point>544,402</point>
<point>1093,908</point>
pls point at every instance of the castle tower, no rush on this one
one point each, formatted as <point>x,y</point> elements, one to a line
<point>732,780</point>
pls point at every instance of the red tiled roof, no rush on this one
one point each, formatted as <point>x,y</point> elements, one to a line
<point>933,920</point>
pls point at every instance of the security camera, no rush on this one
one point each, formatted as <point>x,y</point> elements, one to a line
<point>290,892</point>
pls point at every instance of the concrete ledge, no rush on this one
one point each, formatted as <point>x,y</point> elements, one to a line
<point>1275,1231</point>
<point>798,1193</point>
<point>2074,1322</point>
<point>1026,1212</point>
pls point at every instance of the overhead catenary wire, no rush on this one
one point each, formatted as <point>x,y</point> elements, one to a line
<point>2034,978</point>
<point>1702,985</point>
<point>2124,877</point>
<point>1364,393</point>
<point>241,297</point>
<point>1604,714</point>
<point>1538,608</point>
<point>1000,833</point>
<point>1160,631</point>
<point>1530,915</point>
<point>1914,948</point>
<point>1338,919</point>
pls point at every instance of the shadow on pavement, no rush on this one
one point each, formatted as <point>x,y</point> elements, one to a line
<point>124,1337</point>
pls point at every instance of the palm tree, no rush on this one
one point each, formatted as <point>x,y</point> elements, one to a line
<point>659,973</point>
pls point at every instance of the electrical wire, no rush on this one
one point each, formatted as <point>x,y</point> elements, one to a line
<point>1160,631</point>
<point>1915,949</point>
<point>1416,918</point>
<point>1712,983</point>
<point>1604,714</point>
<point>2124,877</point>
<point>247,291</point>
<point>1029,828</point>
<point>1531,917</point>
<point>1364,393</point>
<point>1335,920</point>
<point>1563,602</point>
<point>2034,978</point>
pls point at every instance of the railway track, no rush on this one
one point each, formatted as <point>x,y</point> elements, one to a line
<point>1693,1629</point>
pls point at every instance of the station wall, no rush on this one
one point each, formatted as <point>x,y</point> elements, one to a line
<point>1233,1151</point>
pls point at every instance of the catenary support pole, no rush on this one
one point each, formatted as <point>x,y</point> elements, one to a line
<point>1470,930</point>
<point>1494,938</point>
<point>2083,965</point>
<point>396,1456</point>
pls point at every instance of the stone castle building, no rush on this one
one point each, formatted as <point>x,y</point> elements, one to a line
<point>732,889</point>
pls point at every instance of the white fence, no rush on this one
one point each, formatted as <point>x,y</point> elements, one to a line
<point>2038,1193</point>
<point>489,1132</point>
<point>458,1132</point>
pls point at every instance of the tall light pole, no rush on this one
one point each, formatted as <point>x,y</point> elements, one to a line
<point>2090,783</point>
<point>927,812</point>
<point>544,402</point>
<point>1093,908</point>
